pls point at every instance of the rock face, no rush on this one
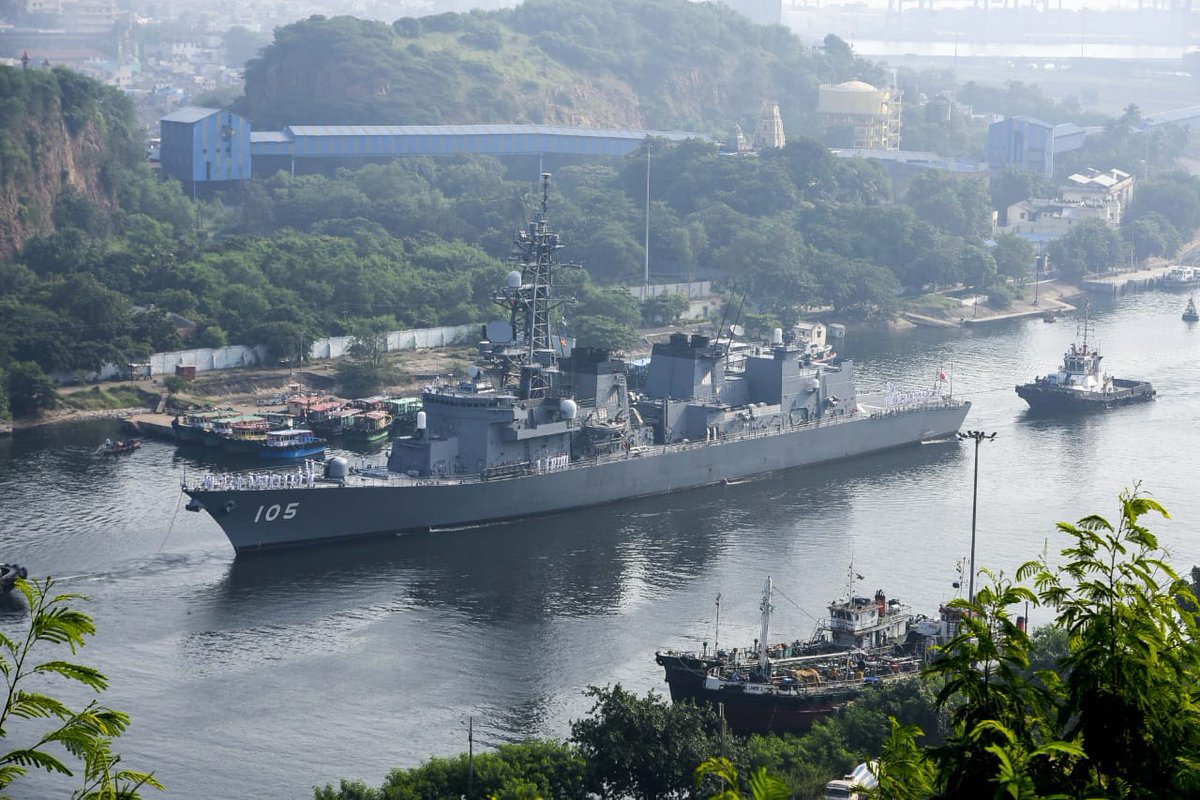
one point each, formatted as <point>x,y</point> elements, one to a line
<point>51,146</point>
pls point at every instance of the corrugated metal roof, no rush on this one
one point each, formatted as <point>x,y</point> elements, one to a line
<point>190,114</point>
<point>1175,115</point>
<point>485,130</point>
<point>269,136</point>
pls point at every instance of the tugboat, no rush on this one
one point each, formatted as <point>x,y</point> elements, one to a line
<point>9,574</point>
<point>785,688</point>
<point>1079,384</point>
<point>1189,313</point>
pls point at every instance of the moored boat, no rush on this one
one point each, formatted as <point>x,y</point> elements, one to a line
<point>369,426</point>
<point>785,688</point>
<point>291,443</point>
<point>246,437</point>
<point>191,429</point>
<point>1181,277</point>
<point>1080,384</point>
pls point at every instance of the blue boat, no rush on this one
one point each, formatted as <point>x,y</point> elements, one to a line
<point>292,444</point>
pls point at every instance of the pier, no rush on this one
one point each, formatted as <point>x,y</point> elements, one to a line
<point>1124,282</point>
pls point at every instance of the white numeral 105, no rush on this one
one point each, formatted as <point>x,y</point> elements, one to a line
<point>272,513</point>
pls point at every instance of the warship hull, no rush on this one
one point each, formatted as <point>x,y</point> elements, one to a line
<point>368,505</point>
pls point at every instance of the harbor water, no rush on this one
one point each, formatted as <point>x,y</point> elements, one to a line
<point>266,676</point>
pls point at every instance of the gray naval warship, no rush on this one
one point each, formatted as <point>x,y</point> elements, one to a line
<point>540,427</point>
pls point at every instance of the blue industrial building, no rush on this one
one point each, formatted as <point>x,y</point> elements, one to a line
<point>203,145</point>
<point>1030,144</point>
<point>207,145</point>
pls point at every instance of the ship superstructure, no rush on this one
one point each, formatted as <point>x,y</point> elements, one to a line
<point>539,426</point>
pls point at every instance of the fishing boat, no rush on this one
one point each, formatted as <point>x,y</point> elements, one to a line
<point>292,443</point>
<point>540,426</point>
<point>111,448</point>
<point>1080,384</point>
<point>9,575</point>
<point>193,426</point>
<point>246,436</point>
<point>369,426</point>
<point>1189,313</point>
<point>785,688</point>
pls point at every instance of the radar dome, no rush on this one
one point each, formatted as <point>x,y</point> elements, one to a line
<point>421,420</point>
<point>473,372</point>
<point>337,468</point>
<point>514,279</point>
<point>568,409</point>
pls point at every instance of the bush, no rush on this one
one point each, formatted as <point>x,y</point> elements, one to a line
<point>1000,297</point>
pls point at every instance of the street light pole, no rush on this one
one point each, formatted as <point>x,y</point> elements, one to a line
<point>978,437</point>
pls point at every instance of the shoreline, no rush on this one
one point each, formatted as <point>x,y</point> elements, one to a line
<point>75,415</point>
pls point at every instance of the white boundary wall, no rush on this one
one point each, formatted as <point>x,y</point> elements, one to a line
<point>234,356</point>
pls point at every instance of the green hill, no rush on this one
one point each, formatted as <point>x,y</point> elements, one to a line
<point>666,64</point>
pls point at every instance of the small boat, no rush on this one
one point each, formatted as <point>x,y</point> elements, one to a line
<point>111,448</point>
<point>1049,316</point>
<point>9,574</point>
<point>293,443</point>
<point>1189,313</point>
<point>370,426</point>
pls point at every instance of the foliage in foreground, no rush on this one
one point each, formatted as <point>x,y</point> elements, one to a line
<point>1100,704</point>
<point>72,738</point>
<point>1117,714</point>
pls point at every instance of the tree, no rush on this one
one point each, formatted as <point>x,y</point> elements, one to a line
<point>365,369</point>
<point>1111,714</point>
<point>1013,255</point>
<point>643,747</point>
<point>29,389</point>
<point>604,332</point>
<point>664,309</point>
<point>762,785</point>
<point>1091,246</point>
<point>86,735</point>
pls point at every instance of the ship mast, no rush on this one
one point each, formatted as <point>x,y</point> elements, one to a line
<point>529,297</point>
<point>766,626</point>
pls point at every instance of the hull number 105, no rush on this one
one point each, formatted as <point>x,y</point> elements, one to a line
<point>272,513</point>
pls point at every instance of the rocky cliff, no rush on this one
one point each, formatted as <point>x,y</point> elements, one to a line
<point>61,136</point>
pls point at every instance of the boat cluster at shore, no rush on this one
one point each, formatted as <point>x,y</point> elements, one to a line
<point>302,428</point>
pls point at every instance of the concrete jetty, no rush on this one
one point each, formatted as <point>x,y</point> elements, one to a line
<point>1124,282</point>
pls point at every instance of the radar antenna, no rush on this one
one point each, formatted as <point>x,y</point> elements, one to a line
<point>530,299</point>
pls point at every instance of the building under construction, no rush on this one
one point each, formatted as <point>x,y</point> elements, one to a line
<point>870,115</point>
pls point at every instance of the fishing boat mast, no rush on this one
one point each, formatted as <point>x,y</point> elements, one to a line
<point>766,627</point>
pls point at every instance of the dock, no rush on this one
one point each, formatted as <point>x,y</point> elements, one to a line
<point>152,425</point>
<point>1125,282</point>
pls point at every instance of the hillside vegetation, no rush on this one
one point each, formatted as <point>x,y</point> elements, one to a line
<point>63,139</point>
<point>663,64</point>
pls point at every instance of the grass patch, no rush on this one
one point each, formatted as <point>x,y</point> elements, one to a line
<point>105,398</point>
<point>935,305</point>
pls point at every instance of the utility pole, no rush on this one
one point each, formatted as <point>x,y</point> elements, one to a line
<point>978,437</point>
<point>646,273</point>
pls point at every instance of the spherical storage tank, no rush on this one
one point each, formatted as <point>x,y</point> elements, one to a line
<point>856,98</point>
